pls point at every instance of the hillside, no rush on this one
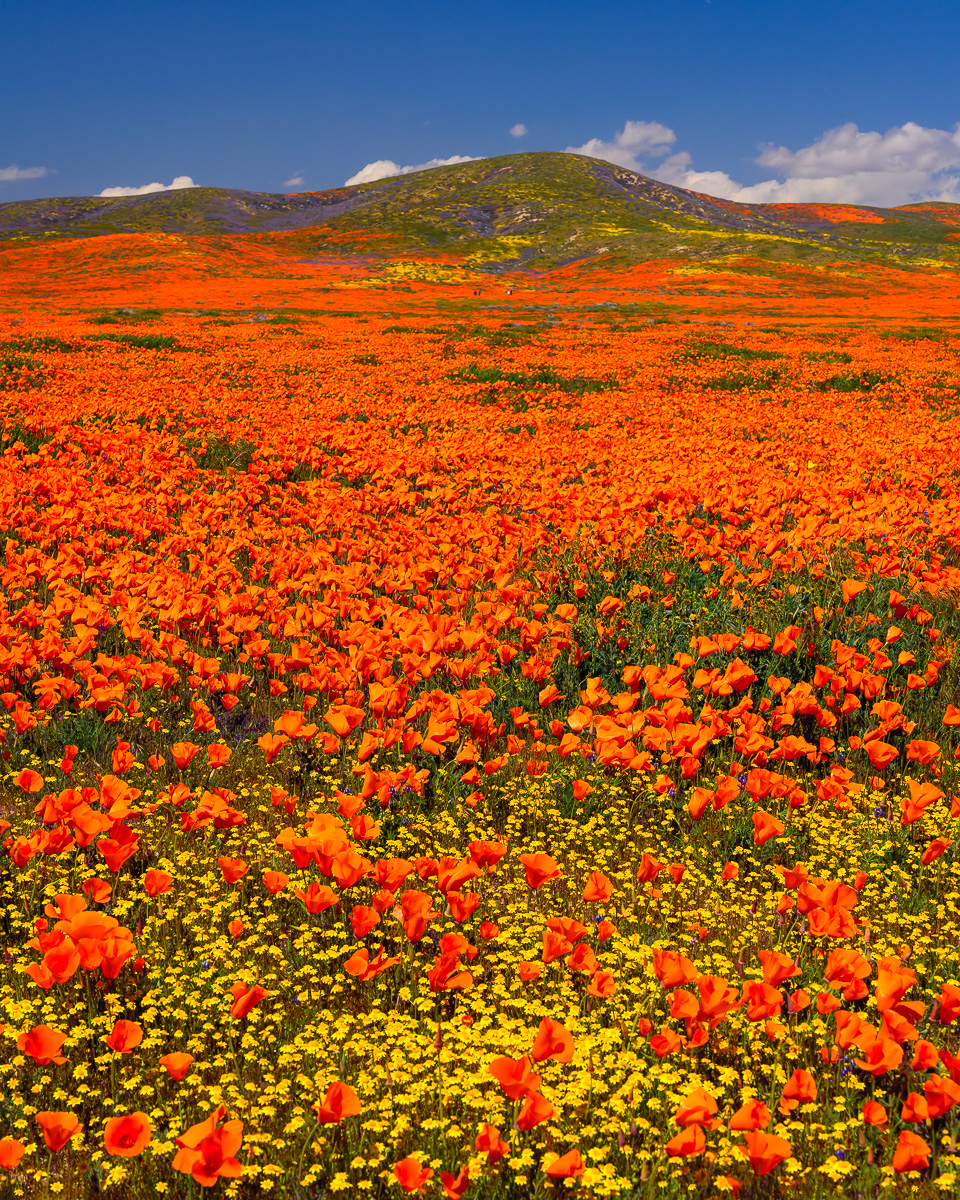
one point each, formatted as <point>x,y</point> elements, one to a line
<point>539,210</point>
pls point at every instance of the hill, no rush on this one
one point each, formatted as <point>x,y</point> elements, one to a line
<point>540,210</point>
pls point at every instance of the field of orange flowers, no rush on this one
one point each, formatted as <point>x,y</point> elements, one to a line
<point>477,746</point>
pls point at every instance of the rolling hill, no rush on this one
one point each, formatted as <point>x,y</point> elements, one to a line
<point>534,210</point>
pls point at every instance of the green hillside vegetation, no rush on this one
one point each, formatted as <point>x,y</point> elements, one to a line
<point>535,210</point>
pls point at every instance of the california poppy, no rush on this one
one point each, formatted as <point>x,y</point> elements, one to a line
<point>245,999</point>
<point>410,1175</point>
<point>534,1111</point>
<point>124,1037</point>
<point>233,869</point>
<point>552,1041</point>
<point>339,1102</point>
<point>57,1128</point>
<point>697,1108</point>
<point>539,868</point>
<point>454,1187</point>
<point>42,1044</point>
<point>568,1166</point>
<point>207,1150</point>
<point>766,1151</point>
<point>126,1136</point>
<point>177,1064</point>
<point>155,883</point>
<point>598,889</point>
<point>912,1153</point>
<point>688,1142</point>
<point>489,1139</point>
<point>11,1151</point>
<point>515,1076</point>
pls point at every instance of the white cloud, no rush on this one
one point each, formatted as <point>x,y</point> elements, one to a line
<point>844,166</point>
<point>295,181</point>
<point>181,181</point>
<point>636,138</point>
<point>519,130</point>
<point>383,168</point>
<point>14,174</point>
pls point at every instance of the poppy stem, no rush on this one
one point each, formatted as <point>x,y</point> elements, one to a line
<point>306,1146</point>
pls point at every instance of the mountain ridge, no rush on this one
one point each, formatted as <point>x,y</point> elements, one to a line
<point>517,210</point>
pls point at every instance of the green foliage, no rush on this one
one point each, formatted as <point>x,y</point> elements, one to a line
<point>19,372</point>
<point>31,439</point>
<point>141,341</point>
<point>221,454</point>
<point>576,385</point>
<point>708,350</point>
<point>856,381</point>
<point>838,357</point>
<point>41,344</point>
<point>127,316</point>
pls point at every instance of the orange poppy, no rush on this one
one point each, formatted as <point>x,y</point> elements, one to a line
<point>128,1135</point>
<point>340,1101</point>
<point>177,1064</point>
<point>57,1128</point>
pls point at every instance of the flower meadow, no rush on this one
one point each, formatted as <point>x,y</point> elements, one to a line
<point>477,748</point>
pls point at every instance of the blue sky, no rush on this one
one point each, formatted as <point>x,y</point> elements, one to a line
<point>236,94</point>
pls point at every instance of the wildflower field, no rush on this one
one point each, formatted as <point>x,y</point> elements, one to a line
<point>476,743</point>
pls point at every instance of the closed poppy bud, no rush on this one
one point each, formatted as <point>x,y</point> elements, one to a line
<point>177,1064</point>
<point>644,1026</point>
<point>605,930</point>
<point>11,1151</point>
<point>124,1037</point>
<point>874,1113</point>
<point>488,931</point>
<point>676,871</point>
<point>57,1128</point>
<point>859,880</point>
<point>128,1135</point>
<point>156,882</point>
